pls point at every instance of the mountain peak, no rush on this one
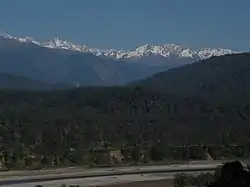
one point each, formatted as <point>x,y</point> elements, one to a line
<point>27,39</point>
<point>58,43</point>
<point>5,35</point>
<point>165,50</point>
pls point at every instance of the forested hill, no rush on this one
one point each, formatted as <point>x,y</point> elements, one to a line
<point>46,128</point>
<point>224,77</point>
<point>160,119</point>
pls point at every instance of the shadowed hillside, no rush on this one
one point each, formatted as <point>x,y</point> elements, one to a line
<point>221,78</point>
<point>14,82</point>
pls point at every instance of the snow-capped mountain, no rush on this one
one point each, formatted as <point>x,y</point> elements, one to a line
<point>166,50</point>
<point>92,66</point>
<point>25,39</point>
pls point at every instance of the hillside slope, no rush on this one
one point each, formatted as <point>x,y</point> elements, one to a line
<point>217,77</point>
<point>14,82</point>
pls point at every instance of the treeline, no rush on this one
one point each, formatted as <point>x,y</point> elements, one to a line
<point>117,125</point>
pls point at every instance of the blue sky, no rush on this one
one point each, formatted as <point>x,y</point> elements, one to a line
<point>125,24</point>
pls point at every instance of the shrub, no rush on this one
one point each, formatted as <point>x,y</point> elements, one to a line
<point>230,174</point>
<point>182,179</point>
<point>205,179</point>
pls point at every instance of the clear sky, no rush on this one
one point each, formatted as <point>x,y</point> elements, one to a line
<point>125,24</point>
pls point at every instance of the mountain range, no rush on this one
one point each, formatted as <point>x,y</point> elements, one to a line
<point>56,61</point>
<point>166,50</point>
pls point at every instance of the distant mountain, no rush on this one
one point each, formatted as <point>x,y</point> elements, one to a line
<point>13,82</point>
<point>56,61</point>
<point>66,66</point>
<point>166,50</point>
<point>218,77</point>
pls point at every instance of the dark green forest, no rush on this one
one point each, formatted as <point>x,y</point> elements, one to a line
<point>223,79</point>
<point>85,126</point>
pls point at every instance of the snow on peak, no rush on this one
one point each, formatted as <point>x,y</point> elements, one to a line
<point>60,44</point>
<point>144,48</point>
<point>187,53</point>
<point>168,50</point>
<point>5,35</point>
<point>27,39</point>
<point>165,50</point>
<point>205,53</point>
<point>57,43</point>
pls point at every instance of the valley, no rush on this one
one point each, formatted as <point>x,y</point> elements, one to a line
<point>124,93</point>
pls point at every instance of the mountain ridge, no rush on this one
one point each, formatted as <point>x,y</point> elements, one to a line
<point>165,50</point>
<point>220,77</point>
<point>61,61</point>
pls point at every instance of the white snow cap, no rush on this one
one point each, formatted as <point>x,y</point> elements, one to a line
<point>165,50</point>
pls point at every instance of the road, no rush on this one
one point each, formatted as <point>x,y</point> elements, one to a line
<point>97,176</point>
<point>98,181</point>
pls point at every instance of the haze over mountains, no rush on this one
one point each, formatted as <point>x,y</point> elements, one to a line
<point>56,61</point>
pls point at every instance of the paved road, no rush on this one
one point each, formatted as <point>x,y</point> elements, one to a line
<point>103,175</point>
<point>77,169</point>
<point>99,181</point>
